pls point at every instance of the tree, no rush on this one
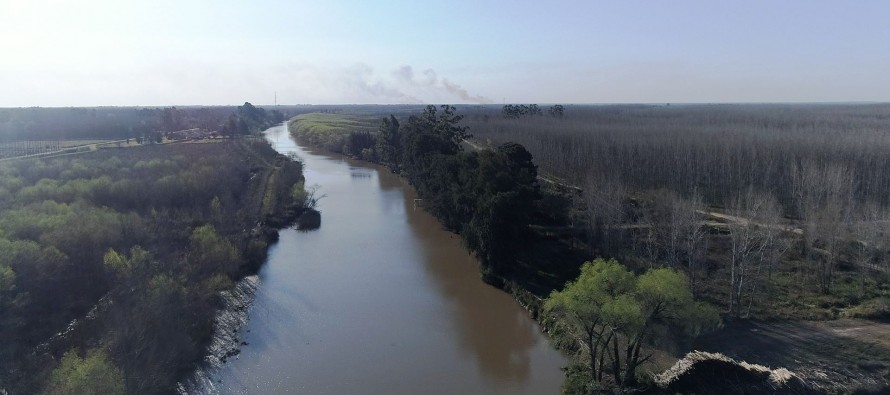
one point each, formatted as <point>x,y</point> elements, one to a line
<point>582,302</point>
<point>11,304</point>
<point>617,311</point>
<point>93,374</point>
<point>389,143</point>
<point>429,134</point>
<point>824,196</point>
<point>666,303</point>
<point>230,127</point>
<point>171,119</point>
<point>250,118</point>
<point>511,112</point>
<point>243,127</point>
<point>446,125</point>
<point>687,212</point>
<point>868,239</point>
<point>603,196</point>
<point>209,253</point>
<point>753,242</point>
<point>507,188</point>
<point>124,267</point>
<point>305,197</point>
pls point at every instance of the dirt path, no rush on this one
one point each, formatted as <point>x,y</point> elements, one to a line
<point>265,180</point>
<point>835,356</point>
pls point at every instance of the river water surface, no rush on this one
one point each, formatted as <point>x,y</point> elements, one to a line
<point>379,300</point>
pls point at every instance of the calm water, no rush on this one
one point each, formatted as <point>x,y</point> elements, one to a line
<point>379,300</point>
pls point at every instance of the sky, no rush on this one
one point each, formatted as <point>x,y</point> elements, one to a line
<point>201,52</point>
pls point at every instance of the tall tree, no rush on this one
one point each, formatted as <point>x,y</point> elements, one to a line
<point>389,143</point>
<point>93,374</point>
<point>618,313</point>
<point>753,243</point>
<point>603,196</point>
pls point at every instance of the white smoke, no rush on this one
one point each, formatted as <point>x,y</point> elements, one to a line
<point>428,84</point>
<point>362,84</point>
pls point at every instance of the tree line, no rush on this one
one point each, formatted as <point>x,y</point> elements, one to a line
<point>516,111</point>
<point>116,123</point>
<point>487,197</point>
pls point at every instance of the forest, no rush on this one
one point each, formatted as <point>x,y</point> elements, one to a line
<point>772,210</point>
<point>765,211</point>
<point>112,262</point>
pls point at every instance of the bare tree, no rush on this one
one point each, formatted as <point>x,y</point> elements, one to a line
<point>647,226</point>
<point>603,196</point>
<point>824,198</point>
<point>770,248</point>
<point>668,220</point>
<point>693,233</point>
<point>750,244</point>
<point>867,239</point>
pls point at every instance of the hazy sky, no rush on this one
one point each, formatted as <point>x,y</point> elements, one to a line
<point>168,52</point>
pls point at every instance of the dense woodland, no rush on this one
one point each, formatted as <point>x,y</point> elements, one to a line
<point>112,262</point>
<point>772,210</point>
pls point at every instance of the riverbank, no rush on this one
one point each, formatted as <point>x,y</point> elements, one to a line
<point>524,284</point>
<point>359,304</point>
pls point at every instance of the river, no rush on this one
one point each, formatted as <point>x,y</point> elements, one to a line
<point>379,300</point>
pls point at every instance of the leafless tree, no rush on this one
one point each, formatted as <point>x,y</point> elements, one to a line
<point>603,196</point>
<point>693,234</point>
<point>824,197</point>
<point>867,239</point>
<point>751,244</point>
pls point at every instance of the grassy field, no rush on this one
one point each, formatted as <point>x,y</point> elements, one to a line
<point>331,130</point>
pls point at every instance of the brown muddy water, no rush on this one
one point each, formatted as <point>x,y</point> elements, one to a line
<point>379,300</point>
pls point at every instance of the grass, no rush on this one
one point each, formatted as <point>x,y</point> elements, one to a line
<point>319,124</point>
<point>330,130</point>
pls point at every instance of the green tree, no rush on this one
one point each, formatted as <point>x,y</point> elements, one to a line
<point>209,254</point>
<point>444,127</point>
<point>618,313</point>
<point>389,142</point>
<point>505,195</point>
<point>94,374</point>
<point>305,197</point>
<point>583,304</point>
<point>122,266</point>
<point>10,302</point>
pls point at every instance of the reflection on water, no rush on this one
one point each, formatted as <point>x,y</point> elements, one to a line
<point>379,300</point>
<point>499,337</point>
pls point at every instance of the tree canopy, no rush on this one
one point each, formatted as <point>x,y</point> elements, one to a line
<point>93,374</point>
<point>618,312</point>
